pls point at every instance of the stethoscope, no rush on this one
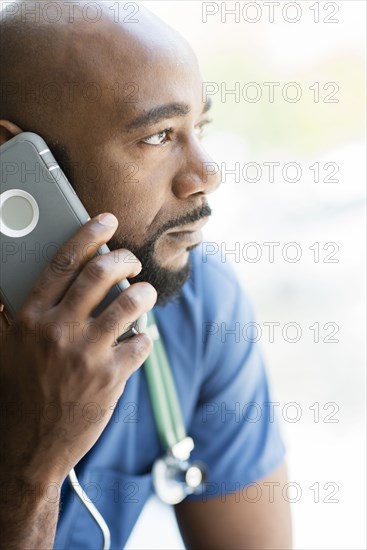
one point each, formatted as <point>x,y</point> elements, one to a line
<point>174,476</point>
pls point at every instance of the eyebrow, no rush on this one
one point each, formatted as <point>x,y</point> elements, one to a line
<point>162,112</point>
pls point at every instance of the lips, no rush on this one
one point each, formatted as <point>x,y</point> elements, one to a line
<point>189,228</point>
<point>189,234</point>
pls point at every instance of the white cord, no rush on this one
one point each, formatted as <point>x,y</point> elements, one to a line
<point>98,518</point>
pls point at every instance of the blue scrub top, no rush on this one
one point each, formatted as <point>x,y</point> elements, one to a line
<point>223,390</point>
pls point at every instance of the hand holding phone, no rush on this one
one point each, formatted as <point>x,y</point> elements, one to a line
<point>39,211</point>
<point>56,358</point>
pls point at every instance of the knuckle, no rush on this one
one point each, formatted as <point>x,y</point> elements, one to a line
<point>64,262</point>
<point>109,321</point>
<point>96,271</point>
<point>136,351</point>
<point>73,297</point>
<point>26,319</point>
<point>129,302</point>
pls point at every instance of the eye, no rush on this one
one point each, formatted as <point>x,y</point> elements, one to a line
<point>159,138</point>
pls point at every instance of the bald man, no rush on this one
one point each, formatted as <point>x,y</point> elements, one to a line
<point>117,96</point>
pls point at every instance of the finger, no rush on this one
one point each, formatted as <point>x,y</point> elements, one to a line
<point>130,354</point>
<point>124,310</point>
<point>70,258</point>
<point>94,282</point>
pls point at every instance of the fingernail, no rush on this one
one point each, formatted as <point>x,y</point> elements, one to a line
<point>107,219</point>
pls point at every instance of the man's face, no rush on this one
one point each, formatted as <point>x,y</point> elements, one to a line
<point>133,139</point>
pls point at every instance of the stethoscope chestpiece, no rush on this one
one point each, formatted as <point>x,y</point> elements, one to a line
<point>174,479</point>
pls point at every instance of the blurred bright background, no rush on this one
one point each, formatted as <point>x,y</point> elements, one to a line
<point>325,288</point>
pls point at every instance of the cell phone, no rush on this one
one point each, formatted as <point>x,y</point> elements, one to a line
<point>39,211</point>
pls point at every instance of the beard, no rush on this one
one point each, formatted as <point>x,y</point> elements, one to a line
<point>167,282</point>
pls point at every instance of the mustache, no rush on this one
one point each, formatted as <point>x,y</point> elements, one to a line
<point>203,211</point>
<point>147,248</point>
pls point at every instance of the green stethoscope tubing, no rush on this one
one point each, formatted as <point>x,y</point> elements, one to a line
<point>170,471</point>
<point>162,389</point>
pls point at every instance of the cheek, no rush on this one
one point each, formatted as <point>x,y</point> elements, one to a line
<point>136,189</point>
<point>93,182</point>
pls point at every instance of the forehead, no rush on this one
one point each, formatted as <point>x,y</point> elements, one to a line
<point>156,81</point>
<point>140,68</point>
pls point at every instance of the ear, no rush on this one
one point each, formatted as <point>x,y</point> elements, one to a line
<point>8,130</point>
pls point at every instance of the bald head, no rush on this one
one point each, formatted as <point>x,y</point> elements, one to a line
<point>57,62</point>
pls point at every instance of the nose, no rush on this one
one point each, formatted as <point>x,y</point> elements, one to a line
<point>198,173</point>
